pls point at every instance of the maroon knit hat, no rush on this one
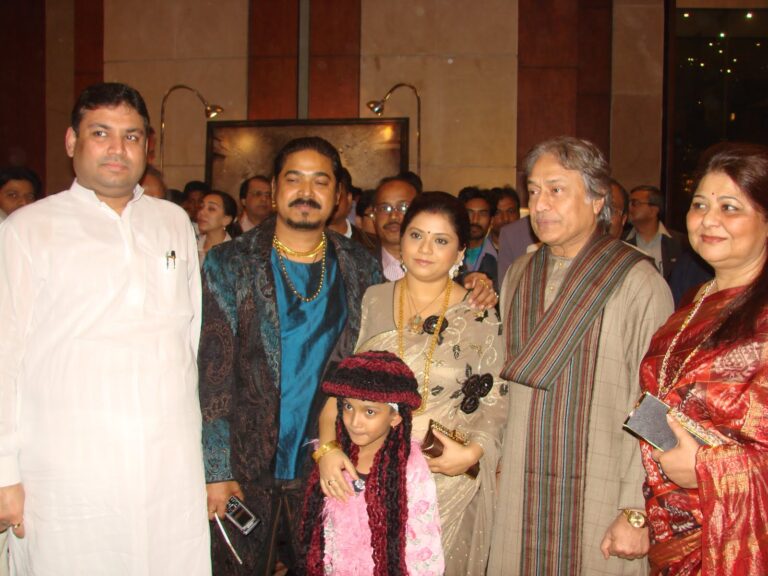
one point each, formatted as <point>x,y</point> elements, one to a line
<point>374,376</point>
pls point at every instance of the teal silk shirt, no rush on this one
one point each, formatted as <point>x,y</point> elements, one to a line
<point>308,333</point>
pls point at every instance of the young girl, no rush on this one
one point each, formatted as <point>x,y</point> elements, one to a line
<point>391,524</point>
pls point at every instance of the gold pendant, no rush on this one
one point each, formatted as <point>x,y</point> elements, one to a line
<point>416,325</point>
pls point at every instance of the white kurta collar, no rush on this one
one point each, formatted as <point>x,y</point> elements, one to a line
<point>88,195</point>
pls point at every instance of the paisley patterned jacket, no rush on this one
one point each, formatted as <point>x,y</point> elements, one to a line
<point>239,358</point>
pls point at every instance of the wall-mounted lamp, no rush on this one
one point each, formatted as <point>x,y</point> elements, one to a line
<point>377,107</point>
<point>211,111</point>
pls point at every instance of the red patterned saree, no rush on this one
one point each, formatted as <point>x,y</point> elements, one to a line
<point>721,527</point>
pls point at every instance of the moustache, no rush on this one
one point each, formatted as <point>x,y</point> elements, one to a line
<point>308,202</point>
<point>476,227</point>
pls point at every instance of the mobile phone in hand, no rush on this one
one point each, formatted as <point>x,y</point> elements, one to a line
<point>237,513</point>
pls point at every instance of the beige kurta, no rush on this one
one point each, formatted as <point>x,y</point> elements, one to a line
<point>470,345</point>
<point>614,472</point>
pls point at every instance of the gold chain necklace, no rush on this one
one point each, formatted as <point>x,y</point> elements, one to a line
<point>432,344</point>
<point>296,253</point>
<point>276,244</point>
<point>664,386</point>
<point>415,324</point>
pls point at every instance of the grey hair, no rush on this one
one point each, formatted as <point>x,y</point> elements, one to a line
<point>584,157</point>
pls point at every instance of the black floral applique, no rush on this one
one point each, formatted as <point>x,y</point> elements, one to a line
<point>431,323</point>
<point>475,387</point>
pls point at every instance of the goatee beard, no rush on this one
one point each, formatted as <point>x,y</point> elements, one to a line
<point>303,225</point>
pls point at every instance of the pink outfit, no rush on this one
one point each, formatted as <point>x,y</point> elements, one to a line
<point>347,534</point>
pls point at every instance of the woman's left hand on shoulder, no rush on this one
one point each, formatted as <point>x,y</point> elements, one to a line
<point>482,296</point>
<point>456,458</point>
<point>679,463</point>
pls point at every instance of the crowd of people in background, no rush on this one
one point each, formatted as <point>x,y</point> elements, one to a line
<point>393,380</point>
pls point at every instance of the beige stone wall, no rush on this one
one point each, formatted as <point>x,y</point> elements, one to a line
<point>637,102</point>
<point>462,57</point>
<point>153,45</point>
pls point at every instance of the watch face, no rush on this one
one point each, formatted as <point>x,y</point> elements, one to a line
<point>636,519</point>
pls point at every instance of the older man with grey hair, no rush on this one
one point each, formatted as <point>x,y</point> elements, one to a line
<point>579,314</point>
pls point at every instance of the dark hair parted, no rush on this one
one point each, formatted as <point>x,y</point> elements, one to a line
<point>408,178</point>
<point>230,209</point>
<point>440,203</point>
<point>413,179</point>
<point>21,173</point>
<point>747,166</point>
<point>247,184</point>
<point>378,377</point>
<point>505,192</point>
<point>108,95</point>
<point>475,193</point>
<point>319,145</point>
<point>584,157</point>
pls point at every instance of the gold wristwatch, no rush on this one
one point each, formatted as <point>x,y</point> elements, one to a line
<point>635,518</point>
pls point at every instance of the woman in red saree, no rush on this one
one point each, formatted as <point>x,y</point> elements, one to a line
<point>707,506</point>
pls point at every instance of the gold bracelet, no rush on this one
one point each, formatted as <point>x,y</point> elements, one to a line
<point>324,449</point>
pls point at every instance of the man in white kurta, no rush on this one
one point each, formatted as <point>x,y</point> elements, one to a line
<point>100,423</point>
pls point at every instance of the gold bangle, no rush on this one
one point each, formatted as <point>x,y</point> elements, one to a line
<point>324,449</point>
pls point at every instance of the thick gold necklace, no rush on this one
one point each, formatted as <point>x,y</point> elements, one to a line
<point>664,386</point>
<point>433,342</point>
<point>277,245</point>
<point>295,253</point>
<point>415,324</point>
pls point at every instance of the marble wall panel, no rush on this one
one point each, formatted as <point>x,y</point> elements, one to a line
<point>200,43</point>
<point>462,57</point>
<point>637,102</point>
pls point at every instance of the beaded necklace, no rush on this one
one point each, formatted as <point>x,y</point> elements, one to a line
<point>664,385</point>
<point>280,247</point>
<point>433,342</point>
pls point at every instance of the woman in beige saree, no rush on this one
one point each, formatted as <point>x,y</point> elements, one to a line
<point>457,369</point>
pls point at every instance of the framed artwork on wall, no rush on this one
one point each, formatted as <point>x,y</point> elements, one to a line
<point>370,148</point>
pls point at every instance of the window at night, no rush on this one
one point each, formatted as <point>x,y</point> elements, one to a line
<point>720,83</point>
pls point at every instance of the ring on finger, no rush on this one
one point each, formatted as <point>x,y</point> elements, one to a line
<point>330,482</point>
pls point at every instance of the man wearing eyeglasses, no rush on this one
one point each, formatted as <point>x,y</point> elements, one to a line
<point>256,200</point>
<point>393,196</point>
<point>648,233</point>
